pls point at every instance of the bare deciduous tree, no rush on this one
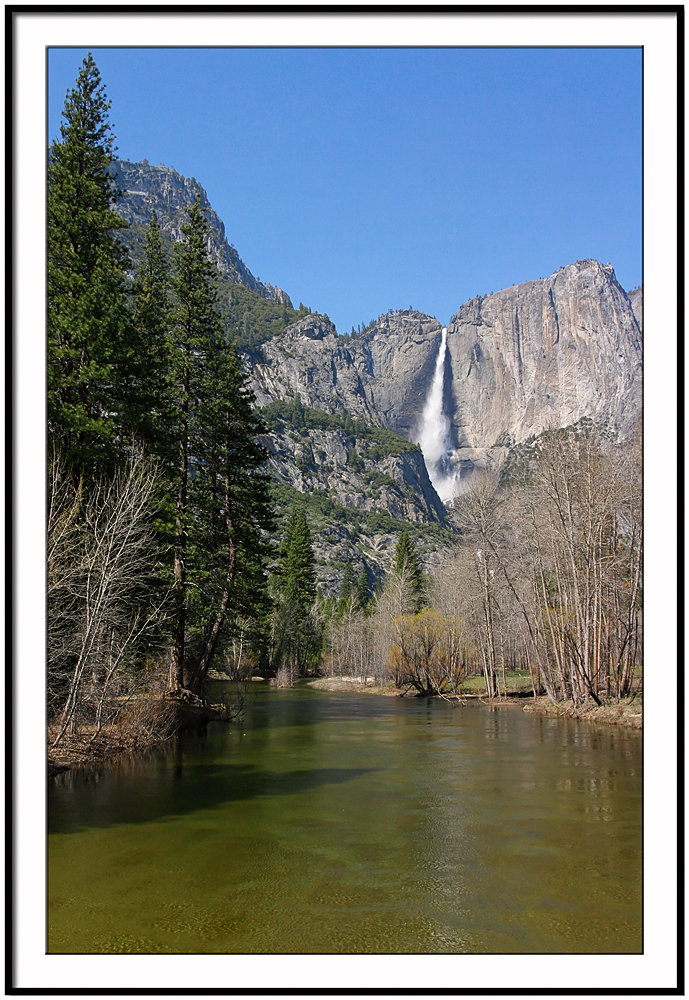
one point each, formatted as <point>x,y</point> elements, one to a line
<point>101,554</point>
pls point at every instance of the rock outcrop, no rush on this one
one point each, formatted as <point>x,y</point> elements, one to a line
<point>361,486</point>
<point>382,377</point>
<point>544,353</point>
<point>636,297</point>
<point>146,188</point>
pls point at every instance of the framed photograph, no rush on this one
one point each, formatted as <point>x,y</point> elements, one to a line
<point>353,627</point>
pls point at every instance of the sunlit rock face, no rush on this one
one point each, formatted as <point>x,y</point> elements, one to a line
<point>540,354</point>
<point>382,376</point>
<point>636,297</point>
<point>544,353</point>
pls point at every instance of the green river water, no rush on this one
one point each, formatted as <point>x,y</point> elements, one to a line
<point>344,823</point>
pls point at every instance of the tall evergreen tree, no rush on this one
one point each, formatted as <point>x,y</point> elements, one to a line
<point>408,567</point>
<point>231,500</point>
<point>362,589</point>
<point>285,543</point>
<point>347,588</point>
<point>222,510</point>
<point>299,566</point>
<point>88,322</point>
<point>299,633</point>
<point>147,389</point>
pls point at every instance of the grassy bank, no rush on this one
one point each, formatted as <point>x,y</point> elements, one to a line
<point>519,687</point>
<point>352,684</point>
<point>613,714</point>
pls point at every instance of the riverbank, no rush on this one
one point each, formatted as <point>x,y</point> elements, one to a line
<point>146,723</point>
<point>352,684</point>
<point>86,749</point>
<point>618,714</point>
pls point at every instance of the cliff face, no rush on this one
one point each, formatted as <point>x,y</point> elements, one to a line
<point>382,377</point>
<point>542,353</point>
<point>161,188</point>
<point>357,503</point>
<point>636,297</point>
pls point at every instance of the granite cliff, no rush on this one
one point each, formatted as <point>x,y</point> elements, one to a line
<point>543,353</point>
<point>539,354</point>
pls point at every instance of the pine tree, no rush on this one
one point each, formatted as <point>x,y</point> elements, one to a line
<point>285,542</point>
<point>347,588</point>
<point>299,640</point>
<point>299,568</point>
<point>407,567</point>
<point>362,589</point>
<point>147,390</point>
<point>222,506</point>
<point>195,323</point>
<point>88,322</point>
<point>231,501</point>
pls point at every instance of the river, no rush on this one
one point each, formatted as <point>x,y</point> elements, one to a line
<point>345,823</point>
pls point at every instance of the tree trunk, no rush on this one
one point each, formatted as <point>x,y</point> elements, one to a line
<point>180,595</point>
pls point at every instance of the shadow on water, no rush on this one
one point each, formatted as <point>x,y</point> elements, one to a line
<point>175,791</point>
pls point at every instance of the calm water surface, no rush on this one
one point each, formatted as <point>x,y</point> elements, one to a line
<point>355,823</point>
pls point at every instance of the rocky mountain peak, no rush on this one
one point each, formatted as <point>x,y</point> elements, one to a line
<point>146,187</point>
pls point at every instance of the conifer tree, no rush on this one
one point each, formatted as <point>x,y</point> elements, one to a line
<point>300,634</point>
<point>147,390</point>
<point>88,322</point>
<point>407,567</point>
<point>299,567</point>
<point>222,507</point>
<point>347,588</point>
<point>231,501</point>
<point>195,324</point>
<point>362,589</point>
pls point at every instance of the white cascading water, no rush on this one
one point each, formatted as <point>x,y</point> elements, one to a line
<point>434,430</point>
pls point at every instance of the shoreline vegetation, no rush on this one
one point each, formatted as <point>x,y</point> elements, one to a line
<point>88,748</point>
<point>628,714</point>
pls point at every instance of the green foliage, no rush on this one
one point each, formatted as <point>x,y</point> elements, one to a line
<point>347,588</point>
<point>355,460</point>
<point>298,576</point>
<point>152,362</point>
<point>378,479</point>
<point>148,387</point>
<point>251,319</point>
<point>222,498</point>
<point>298,631</point>
<point>407,565</point>
<point>362,591</point>
<point>322,511</point>
<point>359,330</point>
<point>381,443</point>
<point>88,322</point>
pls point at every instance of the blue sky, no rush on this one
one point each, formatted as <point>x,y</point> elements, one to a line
<point>366,179</point>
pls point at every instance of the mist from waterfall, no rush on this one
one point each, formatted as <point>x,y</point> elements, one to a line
<point>434,430</point>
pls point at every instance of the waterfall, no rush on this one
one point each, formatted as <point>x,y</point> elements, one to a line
<point>434,430</point>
